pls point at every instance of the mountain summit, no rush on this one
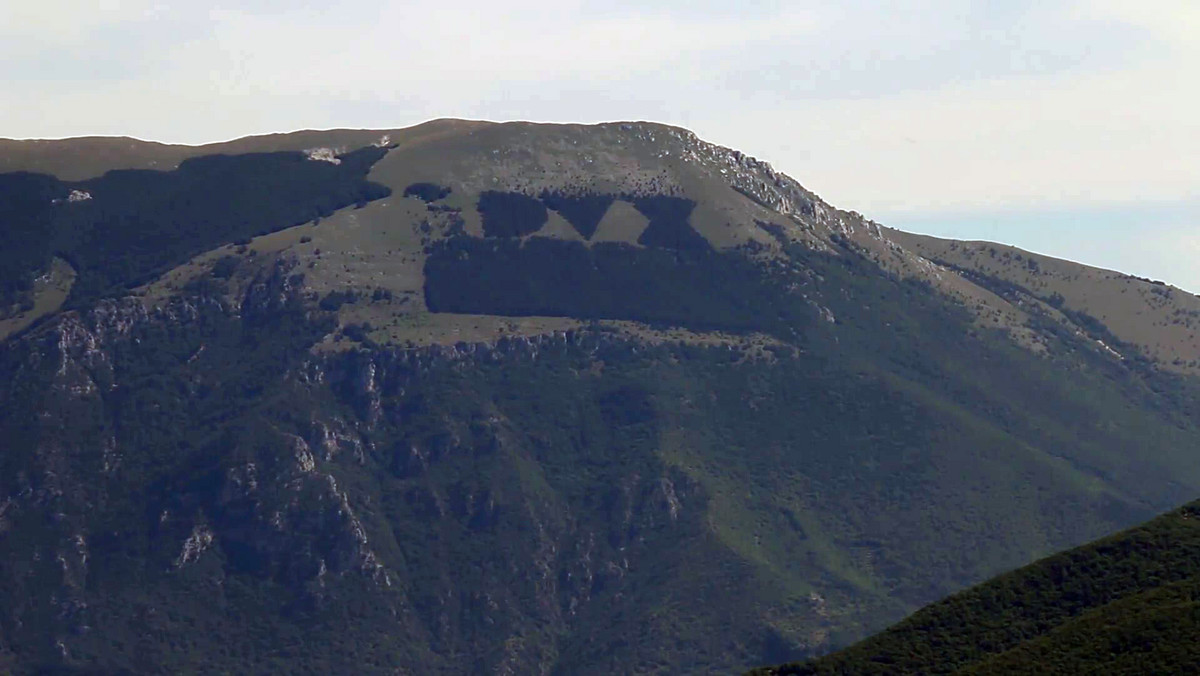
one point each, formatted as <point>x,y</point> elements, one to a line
<point>533,398</point>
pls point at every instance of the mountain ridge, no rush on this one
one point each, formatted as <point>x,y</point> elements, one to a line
<point>559,397</point>
<point>1166,345</point>
<point>859,229</point>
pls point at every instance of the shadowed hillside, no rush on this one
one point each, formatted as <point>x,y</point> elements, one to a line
<point>527,399</point>
<point>1129,603</point>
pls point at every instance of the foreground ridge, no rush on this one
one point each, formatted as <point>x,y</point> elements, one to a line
<point>1129,603</point>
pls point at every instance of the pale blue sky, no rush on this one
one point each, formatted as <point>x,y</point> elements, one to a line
<point>1068,127</point>
<point>1158,240</point>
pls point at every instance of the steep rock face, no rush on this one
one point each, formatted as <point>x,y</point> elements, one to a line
<point>207,485</point>
<point>327,486</point>
<point>110,475</point>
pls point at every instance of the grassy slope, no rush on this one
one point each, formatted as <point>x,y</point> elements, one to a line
<point>135,225</point>
<point>808,485</point>
<point>816,481</point>
<point>80,159</point>
<point>48,294</point>
<point>475,156</point>
<point>1125,604</point>
<point>1160,321</point>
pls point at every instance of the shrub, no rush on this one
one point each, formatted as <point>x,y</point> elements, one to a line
<point>334,300</point>
<point>225,267</point>
<point>427,192</point>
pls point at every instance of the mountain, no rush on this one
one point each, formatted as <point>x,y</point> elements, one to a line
<point>528,399</point>
<point>1129,603</point>
<point>1147,319</point>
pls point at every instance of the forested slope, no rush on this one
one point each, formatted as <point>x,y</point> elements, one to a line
<point>1129,603</point>
<point>531,399</point>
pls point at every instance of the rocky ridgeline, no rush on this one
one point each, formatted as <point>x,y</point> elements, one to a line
<point>754,178</point>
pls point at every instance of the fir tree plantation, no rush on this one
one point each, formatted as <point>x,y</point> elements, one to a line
<point>561,399</point>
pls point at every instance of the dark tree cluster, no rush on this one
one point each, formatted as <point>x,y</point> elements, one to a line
<point>140,223</point>
<point>669,227</point>
<point>226,266</point>
<point>334,300</point>
<point>27,205</point>
<point>1126,604</point>
<point>358,333</point>
<point>583,211</point>
<point>511,214</point>
<point>690,287</point>
<point>774,230</point>
<point>427,192</point>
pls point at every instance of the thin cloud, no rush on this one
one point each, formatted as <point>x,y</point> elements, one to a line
<point>879,105</point>
<point>451,48</point>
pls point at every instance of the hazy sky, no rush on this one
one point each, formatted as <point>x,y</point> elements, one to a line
<point>1069,128</point>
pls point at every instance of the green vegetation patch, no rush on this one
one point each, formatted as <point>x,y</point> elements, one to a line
<point>510,214</point>
<point>669,227</point>
<point>699,289</point>
<point>28,203</point>
<point>427,192</point>
<point>1129,603</point>
<point>127,227</point>
<point>583,211</point>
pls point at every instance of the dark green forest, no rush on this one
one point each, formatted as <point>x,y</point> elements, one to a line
<point>199,487</point>
<point>514,214</point>
<point>542,276</point>
<point>1129,603</point>
<point>583,211</point>
<point>618,505</point>
<point>138,224</point>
